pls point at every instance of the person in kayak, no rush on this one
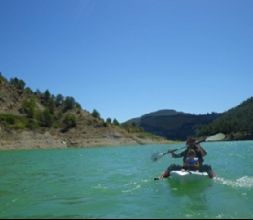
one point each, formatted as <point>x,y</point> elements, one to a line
<point>200,154</point>
<point>192,145</point>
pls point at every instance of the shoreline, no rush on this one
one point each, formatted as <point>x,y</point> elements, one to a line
<point>95,143</point>
<point>28,140</point>
<point>99,145</point>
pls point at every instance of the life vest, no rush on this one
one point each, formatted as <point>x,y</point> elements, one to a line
<point>198,156</point>
<point>192,161</point>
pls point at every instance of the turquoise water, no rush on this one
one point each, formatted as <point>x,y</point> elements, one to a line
<point>117,182</point>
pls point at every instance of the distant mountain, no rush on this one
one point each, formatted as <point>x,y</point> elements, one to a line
<point>172,124</point>
<point>236,123</point>
<point>165,112</point>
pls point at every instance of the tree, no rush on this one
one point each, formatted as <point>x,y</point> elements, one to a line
<point>2,78</point>
<point>47,96</point>
<point>108,120</point>
<point>28,90</point>
<point>51,105</point>
<point>95,114</point>
<point>69,103</point>
<point>38,92</point>
<point>18,83</point>
<point>46,118</point>
<point>78,105</point>
<point>59,100</point>
<point>115,122</point>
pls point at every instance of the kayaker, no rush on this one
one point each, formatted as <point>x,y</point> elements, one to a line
<point>191,144</point>
<point>200,154</point>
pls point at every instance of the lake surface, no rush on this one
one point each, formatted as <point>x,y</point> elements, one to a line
<point>117,182</point>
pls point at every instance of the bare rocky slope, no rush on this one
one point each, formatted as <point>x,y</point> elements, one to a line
<point>40,120</point>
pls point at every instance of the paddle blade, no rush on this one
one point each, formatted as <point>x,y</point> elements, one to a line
<point>157,156</point>
<point>216,137</point>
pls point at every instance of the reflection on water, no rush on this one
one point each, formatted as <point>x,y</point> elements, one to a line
<point>190,187</point>
<point>193,193</point>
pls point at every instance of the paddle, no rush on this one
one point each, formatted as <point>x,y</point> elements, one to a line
<point>216,137</point>
<point>157,156</point>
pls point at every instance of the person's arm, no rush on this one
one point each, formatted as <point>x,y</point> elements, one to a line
<point>186,163</point>
<point>175,155</point>
<point>201,150</point>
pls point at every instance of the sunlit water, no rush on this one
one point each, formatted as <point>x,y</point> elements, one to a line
<point>118,182</point>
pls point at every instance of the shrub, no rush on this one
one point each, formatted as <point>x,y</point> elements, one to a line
<point>13,121</point>
<point>46,118</point>
<point>69,121</point>
<point>29,108</point>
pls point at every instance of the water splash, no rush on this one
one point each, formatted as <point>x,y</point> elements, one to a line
<point>243,182</point>
<point>100,186</point>
<point>131,189</point>
<point>134,185</point>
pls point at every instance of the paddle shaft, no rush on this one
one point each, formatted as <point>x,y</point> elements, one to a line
<point>172,151</point>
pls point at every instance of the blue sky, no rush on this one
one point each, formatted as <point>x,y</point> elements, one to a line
<point>126,58</point>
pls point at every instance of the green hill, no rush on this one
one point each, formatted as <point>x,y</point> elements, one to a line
<point>236,123</point>
<point>172,124</point>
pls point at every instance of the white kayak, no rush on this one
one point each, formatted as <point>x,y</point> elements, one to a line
<point>188,176</point>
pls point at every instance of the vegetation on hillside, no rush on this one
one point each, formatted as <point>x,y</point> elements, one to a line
<point>173,125</point>
<point>21,108</point>
<point>43,110</point>
<point>37,109</point>
<point>236,123</point>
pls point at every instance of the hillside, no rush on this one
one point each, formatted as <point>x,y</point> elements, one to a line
<point>172,124</point>
<point>237,122</point>
<point>165,112</point>
<point>42,120</point>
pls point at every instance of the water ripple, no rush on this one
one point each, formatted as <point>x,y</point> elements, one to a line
<point>243,182</point>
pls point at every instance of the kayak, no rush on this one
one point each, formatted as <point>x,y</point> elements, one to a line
<point>185,176</point>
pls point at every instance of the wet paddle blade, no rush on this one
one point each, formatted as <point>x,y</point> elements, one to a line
<point>216,137</point>
<point>157,156</point>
